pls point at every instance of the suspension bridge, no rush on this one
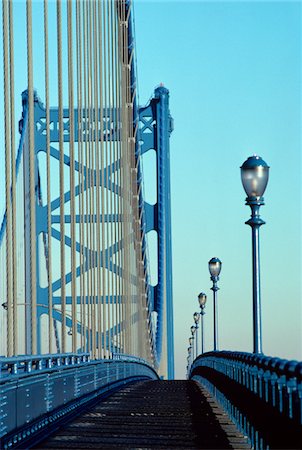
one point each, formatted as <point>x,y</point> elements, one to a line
<point>87,356</point>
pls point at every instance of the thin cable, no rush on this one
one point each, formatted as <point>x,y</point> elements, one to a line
<point>106,180</point>
<point>32,175</point>
<point>121,283</point>
<point>116,172</point>
<point>102,149</point>
<point>97,180</point>
<point>72,182</point>
<point>89,163</point>
<point>111,149</point>
<point>87,178</point>
<point>13,178</point>
<point>48,177</point>
<point>126,262</point>
<point>61,151</point>
<point>92,185</point>
<point>81,174</point>
<point>7,127</point>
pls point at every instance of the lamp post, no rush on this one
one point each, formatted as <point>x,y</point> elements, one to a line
<point>202,299</point>
<point>189,355</point>
<point>254,176</point>
<point>215,268</point>
<point>196,320</point>
<point>193,337</point>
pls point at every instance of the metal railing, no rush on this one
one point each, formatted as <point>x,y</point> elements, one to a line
<point>17,365</point>
<point>263,395</point>
<point>39,391</point>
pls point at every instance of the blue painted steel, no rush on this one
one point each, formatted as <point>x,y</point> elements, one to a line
<point>106,178</point>
<point>215,288</point>
<point>255,223</point>
<point>155,128</point>
<point>48,387</point>
<point>276,382</point>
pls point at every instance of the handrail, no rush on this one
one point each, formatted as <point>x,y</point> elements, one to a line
<point>279,366</point>
<point>33,402</point>
<point>17,365</point>
<point>125,357</point>
<point>261,394</point>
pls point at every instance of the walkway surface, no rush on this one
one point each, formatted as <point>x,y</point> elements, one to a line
<point>152,415</point>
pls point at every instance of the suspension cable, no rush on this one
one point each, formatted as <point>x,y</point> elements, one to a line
<point>61,151</point>
<point>32,178</point>
<point>13,178</point>
<point>7,125</point>
<point>72,181</point>
<point>48,176</point>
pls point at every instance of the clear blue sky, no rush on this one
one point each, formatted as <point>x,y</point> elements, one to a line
<point>234,74</point>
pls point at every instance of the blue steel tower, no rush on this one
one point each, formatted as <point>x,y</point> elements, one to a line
<point>156,128</point>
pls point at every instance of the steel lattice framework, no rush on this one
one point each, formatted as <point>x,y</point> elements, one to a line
<point>73,248</point>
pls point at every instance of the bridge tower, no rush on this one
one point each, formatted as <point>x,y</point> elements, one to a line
<point>73,236</point>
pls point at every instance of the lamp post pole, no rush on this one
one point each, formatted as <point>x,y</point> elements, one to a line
<point>215,288</point>
<point>190,355</point>
<point>193,329</point>
<point>215,268</point>
<point>202,298</point>
<point>196,320</point>
<point>254,175</point>
<point>191,344</point>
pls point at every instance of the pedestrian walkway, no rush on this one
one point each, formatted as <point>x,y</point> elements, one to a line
<point>152,415</point>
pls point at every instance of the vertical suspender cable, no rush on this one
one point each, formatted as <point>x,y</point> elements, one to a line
<point>49,271</point>
<point>127,190</point>
<point>89,163</point>
<point>125,186</point>
<point>119,106</point>
<point>121,260</point>
<point>13,179</point>
<point>32,180</point>
<point>115,159</point>
<point>95,145</point>
<point>72,182</point>
<point>97,180</point>
<point>106,180</point>
<point>61,151</point>
<point>102,149</point>
<point>111,146</point>
<point>81,173</point>
<point>114,150</point>
<point>88,190</point>
<point>84,190</point>
<point>87,178</point>
<point>7,124</point>
<point>92,185</point>
<point>79,160</point>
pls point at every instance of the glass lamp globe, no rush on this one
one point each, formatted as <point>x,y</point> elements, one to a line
<point>192,330</point>
<point>215,267</point>
<point>196,317</point>
<point>202,298</point>
<point>254,176</point>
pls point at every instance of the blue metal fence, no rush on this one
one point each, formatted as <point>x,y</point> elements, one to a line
<point>262,395</point>
<point>38,391</point>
